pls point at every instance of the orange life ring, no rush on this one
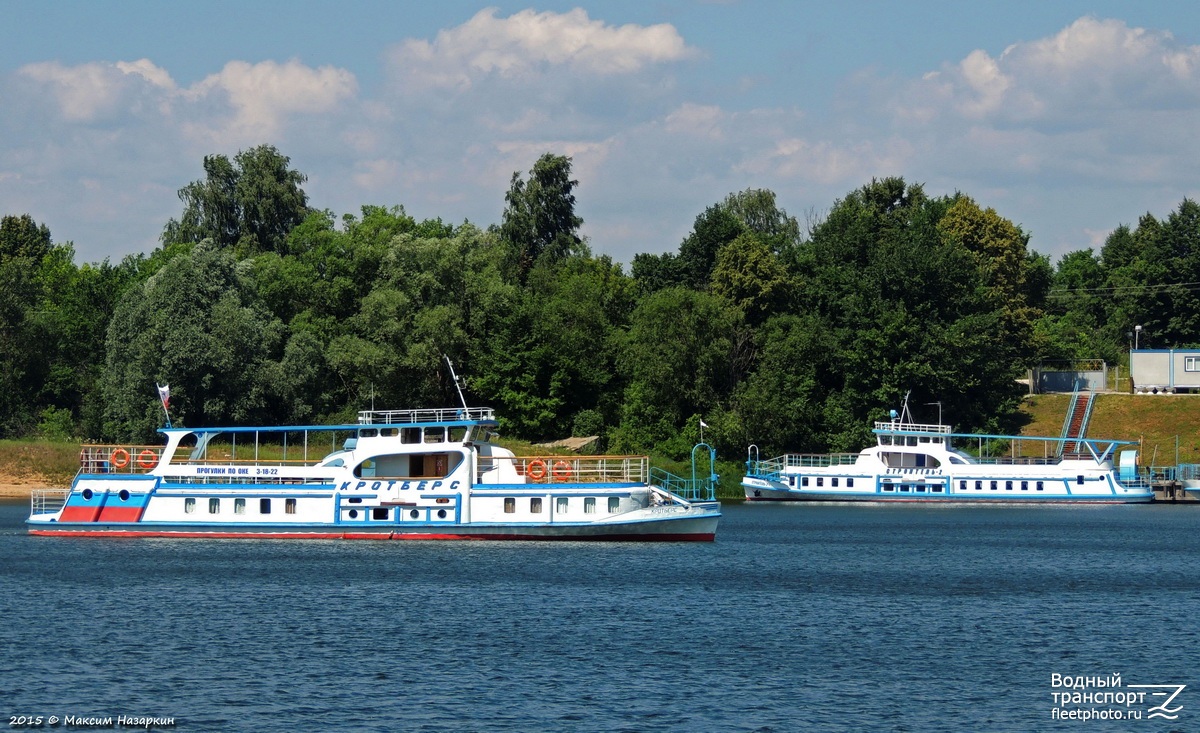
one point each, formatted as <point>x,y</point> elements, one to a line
<point>536,469</point>
<point>147,459</point>
<point>119,457</point>
<point>561,471</point>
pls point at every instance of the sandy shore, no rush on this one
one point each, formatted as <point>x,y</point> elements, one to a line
<point>14,487</point>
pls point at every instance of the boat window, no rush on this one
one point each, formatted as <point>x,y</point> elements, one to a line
<point>380,512</point>
<point>589,505</point>
<point>804,480</point>
<point>1008,485</point>
<point>510,505</point>
<point>962,485</point>
<point>1039,485</point>
<point>936,489</point>
<point>189,505</point>
<point>457,434</point>
<point>924,438</point>
<point>820,480</point>
<point>1079,480</point>
<point>561,504</point>
<point>834,483</point>
<point>850,482</point>
<point>414,514</point>
<point>535,505</point>
<point>264,506</point>
<point>887,486</point>
<point>921,488</point>
<point>957,460</point>
<point>791,480</point>
<point>239,506</point>
<point>389,432</point>
<point>1024,486</point>
<point>912,440</point>
<point>214,506</point>
<point>289,506</point>
<point>368,433</point>
<point>995,486</point>
<point>435,435</point>
<point>410,435</point>
<point>614,504</point>
<point>979,486</point>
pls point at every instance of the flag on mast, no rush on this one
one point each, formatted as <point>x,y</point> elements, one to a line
<point>164,394</point>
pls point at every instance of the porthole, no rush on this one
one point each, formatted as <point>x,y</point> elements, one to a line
<point>124,494</point>
<point>87,494</point>
<point>441,513</point>
<point>354,514</point>
<point>414,514</point>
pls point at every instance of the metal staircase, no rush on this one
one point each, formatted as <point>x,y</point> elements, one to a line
<point>1075,425</point>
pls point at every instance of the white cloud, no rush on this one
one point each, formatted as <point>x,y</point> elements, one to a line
<point>528,41</point>
<point>94,91</point>
<point>264,95</point>
<point>696,120</point>
<point>1039,128</point>
<point>1089,67</point>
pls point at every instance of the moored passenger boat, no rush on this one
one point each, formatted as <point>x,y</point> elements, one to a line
<point>917,462</point>
<point>400,474</point>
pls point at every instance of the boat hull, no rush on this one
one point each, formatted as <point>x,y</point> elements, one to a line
<point>696,525</point>
<point>758,492</point>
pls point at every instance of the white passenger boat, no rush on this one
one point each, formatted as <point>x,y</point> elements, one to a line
<point>402,474</point>
<point>917,462</point>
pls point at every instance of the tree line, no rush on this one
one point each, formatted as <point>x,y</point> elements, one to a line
<point>259,308</point>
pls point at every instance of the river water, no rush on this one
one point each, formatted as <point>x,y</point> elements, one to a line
<point>857,618</point>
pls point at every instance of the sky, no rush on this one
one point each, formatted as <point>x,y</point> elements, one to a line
<point>1069,118</point>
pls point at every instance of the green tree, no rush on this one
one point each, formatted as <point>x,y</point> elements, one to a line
<point>539,219</point>
<point>251,203</point>
<point>196,325</point>
<point>751,279</point>
<point>908,308</point>
<point>21,236</point>
<point>677,358</point>
<point>554,353</point>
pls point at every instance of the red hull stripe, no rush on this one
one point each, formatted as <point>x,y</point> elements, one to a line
<point>120,514</point>
<point>80,513</point>
<point>700,537</point>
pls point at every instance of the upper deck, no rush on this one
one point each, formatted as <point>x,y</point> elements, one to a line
<point>909,428</point>
<point>430,415</point>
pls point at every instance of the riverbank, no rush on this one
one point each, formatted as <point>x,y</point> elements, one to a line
<point>18,487</point>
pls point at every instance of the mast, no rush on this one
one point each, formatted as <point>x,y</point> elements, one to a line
<point>457,383</point>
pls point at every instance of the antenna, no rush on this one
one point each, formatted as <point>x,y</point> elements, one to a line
<point>457,384</point>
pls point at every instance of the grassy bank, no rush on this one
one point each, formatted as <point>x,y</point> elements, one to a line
<point>1156,421</point>
<point>41,462</point>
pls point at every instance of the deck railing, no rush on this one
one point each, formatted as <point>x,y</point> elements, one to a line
<point>700,489</point>
<point>773,467</point>
<point>571,469</point>
<point>119,458</point>
<point>441,414</point>
<point>47,501</point>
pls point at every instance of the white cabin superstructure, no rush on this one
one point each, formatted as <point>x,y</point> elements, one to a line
<point>917,462</point>
<point>396,474</point>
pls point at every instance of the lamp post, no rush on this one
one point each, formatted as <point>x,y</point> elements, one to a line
<point>1137,333</point>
